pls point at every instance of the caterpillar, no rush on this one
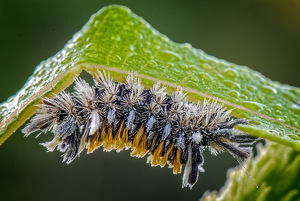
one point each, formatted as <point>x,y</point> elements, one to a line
<point>169,128</point>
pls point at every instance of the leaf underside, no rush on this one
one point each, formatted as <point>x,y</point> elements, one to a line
<point>277,176</point>
<point>118,41</point>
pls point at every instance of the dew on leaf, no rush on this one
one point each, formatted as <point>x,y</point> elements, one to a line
<point>205,76</point>
<point>183,66</point>
<point>289,95</point>
<point>232,85</point>
<point>234,93</point>
<point>230,72</point>
<point>275,132</point>
<point>193,68</point>
<point>254,105</point>
<point>152,63</point>
<point>206,66</point>
<point>294,137</point>
<point>115,59</point>
<point>268,89</point>
<point>295,108</point>
<point>168,55</point>
<point>116,38</point>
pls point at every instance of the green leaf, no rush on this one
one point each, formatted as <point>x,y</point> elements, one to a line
<point>276,171</point>
<point>118,41</point>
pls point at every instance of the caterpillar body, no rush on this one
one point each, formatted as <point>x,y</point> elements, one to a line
<point>121,116</point>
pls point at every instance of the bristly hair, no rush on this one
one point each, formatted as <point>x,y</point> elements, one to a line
<point>120,116</point>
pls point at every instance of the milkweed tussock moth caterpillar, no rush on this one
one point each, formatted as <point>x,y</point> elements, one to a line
<point>119,116</point>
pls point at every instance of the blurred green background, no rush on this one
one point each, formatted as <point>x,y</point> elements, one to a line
<point>261,34</point>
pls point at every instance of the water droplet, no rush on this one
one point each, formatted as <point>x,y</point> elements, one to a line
<point>193,83</point>
<point>295,108</point>
<point>234,93</point>
<point>163,38</point>
<point>289,95</point>
<point>205,76</point>
<point>132,47</point>
<point>244,97</point>
<point>193,68</point>
<point>116,38</point>
<point>278,112</point>
<point>251,88</point>
<point>268,111</point>
<point>232,85</point>
<point>193,78</point>
<point>294,136</point>
<point>168,55</point>
<point>260,97</point>
<point>277,106</point>
<point>147,50</point>
<point>183,66</point>
<point>279,118</point>
<point>275,132</point>
<point>221,77</point>
<point>223,63</point>
<point>152,63</point>
<point>268,89</point>
<point>96,22</point>
<point>234,100</point>
<point>141,36</point>
<point>187,45</point>
<point>91,55</point>
<point>246,92</point>
<point>294,90</point>
<point>115,58</point>
<point>258,77</point>
<point>169,65</point>
<point>295,121</point>
<point>132,23</point>
<point>206,66</point>
<point>254,105</point>
<point>230,72</point>
<point>202,61</point>
<point>157,47</point>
